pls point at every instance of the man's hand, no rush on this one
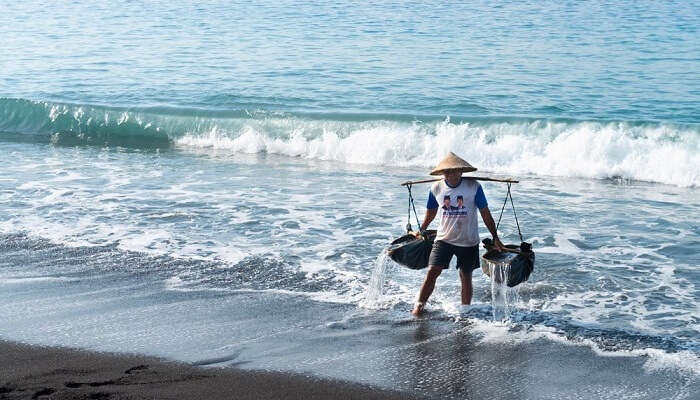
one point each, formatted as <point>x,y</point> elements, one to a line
<point>498,245</point>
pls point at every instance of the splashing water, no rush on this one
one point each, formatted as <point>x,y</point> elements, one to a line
<point>503,298</point>
<point>375,290</point>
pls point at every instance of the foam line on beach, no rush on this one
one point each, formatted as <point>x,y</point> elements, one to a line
<point>498,332</point>
<point>34,279</point>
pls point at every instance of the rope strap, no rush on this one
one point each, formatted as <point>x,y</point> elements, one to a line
<point>509,195</point>
<point>411,204</point>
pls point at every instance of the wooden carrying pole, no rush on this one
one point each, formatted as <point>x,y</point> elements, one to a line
<point>478,178</point>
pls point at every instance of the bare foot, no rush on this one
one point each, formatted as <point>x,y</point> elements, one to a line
<point>418,309</point>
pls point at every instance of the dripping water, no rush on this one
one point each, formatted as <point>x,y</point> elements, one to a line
<point>375,290</point>
<point>503,298</point>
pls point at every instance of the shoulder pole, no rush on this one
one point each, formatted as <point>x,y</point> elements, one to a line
<point>478,178</point>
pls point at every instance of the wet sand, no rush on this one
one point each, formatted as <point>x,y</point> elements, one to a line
<point>34,372</point>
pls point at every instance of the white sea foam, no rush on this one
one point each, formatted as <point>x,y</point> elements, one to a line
<point>657,153</point>
<point>500,332</point>
<point>562,244</point>
<point>35,279</point>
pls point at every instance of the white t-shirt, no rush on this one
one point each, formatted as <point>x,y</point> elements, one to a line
<point>457,208</point>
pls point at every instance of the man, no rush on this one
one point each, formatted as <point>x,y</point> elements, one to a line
<point>457,232</point>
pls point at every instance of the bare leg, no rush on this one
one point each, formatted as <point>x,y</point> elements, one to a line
<point>427,288</point>
<point>466,279</point>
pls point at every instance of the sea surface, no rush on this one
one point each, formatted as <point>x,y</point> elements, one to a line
<point>216,182</point>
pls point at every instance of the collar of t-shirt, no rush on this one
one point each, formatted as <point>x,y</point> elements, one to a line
<point>452,187</point>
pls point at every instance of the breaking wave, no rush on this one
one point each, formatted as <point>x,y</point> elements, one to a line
<point>646,151</point>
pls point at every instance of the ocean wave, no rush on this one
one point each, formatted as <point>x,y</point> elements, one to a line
<point>645,151</point>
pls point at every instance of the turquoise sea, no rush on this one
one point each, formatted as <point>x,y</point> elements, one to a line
<point>215,182</point>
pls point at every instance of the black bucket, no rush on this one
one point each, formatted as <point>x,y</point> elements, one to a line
<point>412,252</point>
<point>513,266</point>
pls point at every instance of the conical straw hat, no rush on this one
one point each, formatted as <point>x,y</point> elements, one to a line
<point>452,162</point>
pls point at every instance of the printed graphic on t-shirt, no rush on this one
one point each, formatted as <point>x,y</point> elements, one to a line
<point>452,214</point>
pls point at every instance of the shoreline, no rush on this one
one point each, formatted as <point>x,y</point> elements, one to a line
<point>32,371</point>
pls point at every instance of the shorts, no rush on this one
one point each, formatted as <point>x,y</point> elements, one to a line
<point>442,252</point>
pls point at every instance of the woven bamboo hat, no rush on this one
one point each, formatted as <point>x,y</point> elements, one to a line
<point>452,162</point>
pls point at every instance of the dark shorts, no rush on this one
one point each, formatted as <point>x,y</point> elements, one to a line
<point>467,257</point>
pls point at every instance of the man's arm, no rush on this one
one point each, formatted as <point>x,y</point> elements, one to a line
<point>430,214</point>
<point>431,209</point>
<point>488,221</point>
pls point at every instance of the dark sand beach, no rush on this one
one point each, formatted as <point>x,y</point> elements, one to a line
<point>312,345</point>
<point>34,372</point>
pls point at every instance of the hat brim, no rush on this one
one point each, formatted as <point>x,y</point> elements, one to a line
<point>460,169</point>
